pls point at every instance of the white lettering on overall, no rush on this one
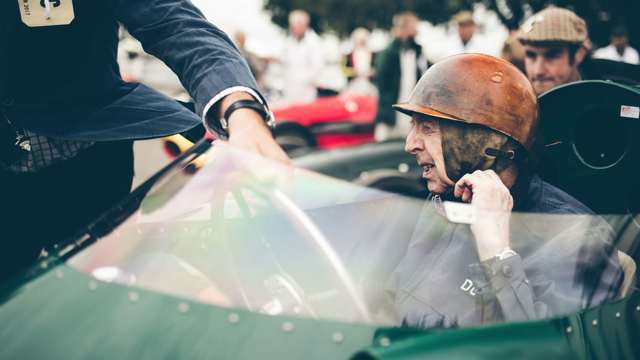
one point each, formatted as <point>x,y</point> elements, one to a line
<point>467,286</point>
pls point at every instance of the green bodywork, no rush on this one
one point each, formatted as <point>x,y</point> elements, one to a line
<point>64,314</point>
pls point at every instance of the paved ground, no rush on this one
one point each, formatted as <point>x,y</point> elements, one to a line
<point>149,158</point>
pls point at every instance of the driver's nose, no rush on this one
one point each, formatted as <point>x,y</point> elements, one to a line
<point>412,144</point>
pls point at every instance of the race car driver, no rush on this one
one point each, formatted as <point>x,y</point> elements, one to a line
<point>473,131</point>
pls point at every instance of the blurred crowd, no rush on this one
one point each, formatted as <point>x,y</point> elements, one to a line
<point>551,47</point>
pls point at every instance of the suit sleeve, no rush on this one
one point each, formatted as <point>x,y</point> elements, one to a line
<point>175,31</point>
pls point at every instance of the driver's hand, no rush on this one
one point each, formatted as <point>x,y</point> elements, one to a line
<point>491,202</point>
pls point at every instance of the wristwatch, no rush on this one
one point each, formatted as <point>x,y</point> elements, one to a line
<point>506,253</point>
<point>254,105</point>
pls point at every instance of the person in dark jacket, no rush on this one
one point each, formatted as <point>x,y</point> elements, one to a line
<point>521,249</point>
<point>67,119</point>
<point>397,69</point>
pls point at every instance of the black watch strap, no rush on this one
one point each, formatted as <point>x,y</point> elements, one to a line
<point>261,109</point>
<point>246,104</point>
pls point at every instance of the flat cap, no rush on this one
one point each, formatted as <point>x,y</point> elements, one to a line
<point>554,24</point>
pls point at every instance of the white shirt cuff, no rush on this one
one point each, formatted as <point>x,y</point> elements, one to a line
<point>221,95</point>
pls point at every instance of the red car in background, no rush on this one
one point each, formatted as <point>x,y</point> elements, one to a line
<point>328,122</point>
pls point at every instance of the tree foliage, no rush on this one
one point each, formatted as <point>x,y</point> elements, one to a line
<point>342,16</point>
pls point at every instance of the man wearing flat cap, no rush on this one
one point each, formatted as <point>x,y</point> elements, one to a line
<point>556,42</point>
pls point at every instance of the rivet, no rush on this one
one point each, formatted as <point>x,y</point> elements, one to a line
<point>384,341</point>
<point>287,327</point>
<point>59,274</point>
<point>43,265</point>
<point>618,315</point>
<point>338,338</point>
<point>594,323</point>
<point>183,307</point>
<point>133,296</point>
<point>569,329</point>
<point>93,285</point>
<point>638,308</point>
<point>497,77</point>
<point>233,318</point>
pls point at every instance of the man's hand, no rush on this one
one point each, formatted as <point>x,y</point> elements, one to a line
<point>247,130</point>
<point>491,203</point>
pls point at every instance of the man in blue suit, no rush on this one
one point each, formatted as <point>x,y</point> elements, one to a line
<point>67,120</point>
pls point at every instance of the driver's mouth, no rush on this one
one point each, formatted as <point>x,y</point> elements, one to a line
<point>426,169</point>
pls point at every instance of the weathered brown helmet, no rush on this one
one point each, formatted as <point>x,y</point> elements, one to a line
<point>478,89</point>
<point>484,91</point>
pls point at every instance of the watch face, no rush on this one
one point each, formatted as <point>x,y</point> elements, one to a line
<point>507,253</point>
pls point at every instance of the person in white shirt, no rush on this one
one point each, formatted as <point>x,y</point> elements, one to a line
<point>619,49</point>
<point>359,62</point>
<point>303,60</point>
<point>467,40</point>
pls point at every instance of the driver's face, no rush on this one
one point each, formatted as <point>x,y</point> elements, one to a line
<point>425,142</point>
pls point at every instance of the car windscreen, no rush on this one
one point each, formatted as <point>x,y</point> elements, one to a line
<point>243,232</point>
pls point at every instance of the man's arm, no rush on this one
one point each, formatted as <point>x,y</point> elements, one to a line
<point>505,292</point>
<point>206,62</point>
<point>585,245</point>
<point>577,267</point>
<point>503,287</point>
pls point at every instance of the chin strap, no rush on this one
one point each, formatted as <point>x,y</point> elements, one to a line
<point>500,154</point>
<point>438,199</point>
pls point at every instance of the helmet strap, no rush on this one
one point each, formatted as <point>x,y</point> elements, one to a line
<point>500,154</point>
